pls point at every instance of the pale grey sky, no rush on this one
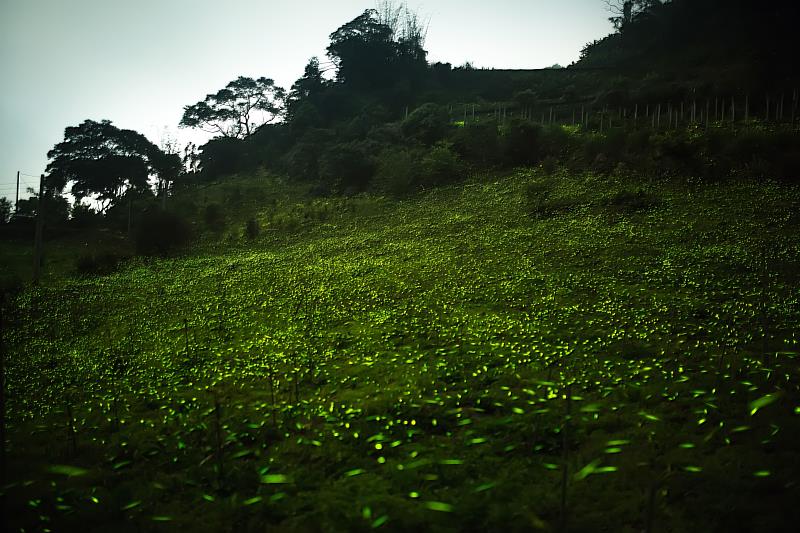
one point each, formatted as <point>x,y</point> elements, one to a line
<point>138,62</point>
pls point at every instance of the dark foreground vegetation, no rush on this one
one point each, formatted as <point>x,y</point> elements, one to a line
<point>419,297</point>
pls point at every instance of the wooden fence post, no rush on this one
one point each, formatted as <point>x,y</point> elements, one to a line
<point>37,239</point>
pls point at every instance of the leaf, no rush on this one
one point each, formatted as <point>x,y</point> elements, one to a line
<point>762,473</point>
<point>67,470</point>
<point>484,487</point>
<point>693,469</point>
<point>162,519</point>
<point>252,500</point>
<point>439,506</point>
<point>354,472</point>
<point>648,416</point>
<point>762,402</point>
<point>451,462</point>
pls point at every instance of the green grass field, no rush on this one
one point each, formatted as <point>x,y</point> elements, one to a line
<point>453,362</point>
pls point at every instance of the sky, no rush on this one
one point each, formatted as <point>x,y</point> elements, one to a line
<point>139,62</point>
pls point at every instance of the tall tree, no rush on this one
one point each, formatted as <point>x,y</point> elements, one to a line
<point>99,158</point>
<point>379,47</point>
<point>307,89</point>
<point>237,110</point>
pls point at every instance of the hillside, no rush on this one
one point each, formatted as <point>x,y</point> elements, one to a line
<point>439,363</point>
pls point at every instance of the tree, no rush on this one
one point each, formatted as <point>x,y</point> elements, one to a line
<point>307,89</point>
<point>379,47</point>
<point>5,210</point>
<point>99,158</point>
<point>624,11</point>
<point>233,111</point>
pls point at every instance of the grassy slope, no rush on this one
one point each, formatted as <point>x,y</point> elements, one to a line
<point>417,355</point>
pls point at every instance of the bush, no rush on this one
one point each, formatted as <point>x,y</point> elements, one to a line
<point>479,143</point>
<point>214,218</point>
<point>440,166</point>
<point>160,232</point>
<point>399,170</point>
<point>520,142</point>
<point>252,229</point>
<point>427,124</point>
<point>346,168</point>
<point>99,264</point>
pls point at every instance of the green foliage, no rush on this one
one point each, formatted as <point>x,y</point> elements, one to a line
<point>409,368</point>
<point>427,124</point>
<point>478,143</point>
<point>399,170</point>
<point>521,142</point>
<point>160,233</point>
<point>346,168</point>
<point>440,166</point>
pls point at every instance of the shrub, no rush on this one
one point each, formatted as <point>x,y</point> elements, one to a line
<point>427,124</point>
<point>160,232</point>
<point>346,168</point>
<point>399,170</point>
<point>441,165</point>
<point>479,143</point>
<point>520,142</point>
<point>214,218</point>
<point>252,229</point>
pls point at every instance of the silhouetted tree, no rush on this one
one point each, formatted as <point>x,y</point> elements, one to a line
<point>234,110</point>
<point>99,158</point>
<point>5,210</point>
<point>307,89</point>
<point>376,49</point>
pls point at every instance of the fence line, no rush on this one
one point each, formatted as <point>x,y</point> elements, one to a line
<point>730,111</point>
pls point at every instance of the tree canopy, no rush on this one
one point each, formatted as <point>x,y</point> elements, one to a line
<point>99,158</point>
<point>237,110</point>
<point>378,47</point>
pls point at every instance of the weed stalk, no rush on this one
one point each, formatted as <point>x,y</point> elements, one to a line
<point>565,459</point>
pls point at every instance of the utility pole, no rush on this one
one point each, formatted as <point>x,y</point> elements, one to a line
<point>37,242</point>
<point>16,201</point>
